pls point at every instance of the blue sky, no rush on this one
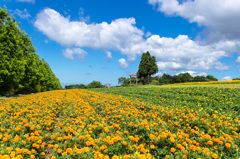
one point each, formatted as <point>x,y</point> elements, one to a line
<point>103,40</point>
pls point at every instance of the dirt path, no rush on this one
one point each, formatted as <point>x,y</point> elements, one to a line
<point>49,151</point>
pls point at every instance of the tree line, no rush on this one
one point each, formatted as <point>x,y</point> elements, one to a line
<point>182,78</point>
<point>93,84</point>
<point>148,67</point>
<point>21,69</point>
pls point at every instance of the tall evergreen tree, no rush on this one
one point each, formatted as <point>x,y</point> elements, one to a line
<point>147,67</point>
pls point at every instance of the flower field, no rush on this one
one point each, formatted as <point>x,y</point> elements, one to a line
<point>85,124</point>
<point>206,83</point>
<point>213,100</point>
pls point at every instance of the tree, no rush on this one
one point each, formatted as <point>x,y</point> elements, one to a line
<point>76,86</point>
<point>166,79</point>
<point>12,62</point>
<point>147,67</point>
<point>199,79</point>
<point>21,70</point>
<point>123,81</point>
<point>185,77</point>
<point>95,84</point>
<point>236,78</point>
<point>211,78</point>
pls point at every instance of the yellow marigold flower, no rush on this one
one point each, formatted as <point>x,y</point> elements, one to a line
<point>152,147</point>
<point>17,128</point>
<point>64,153</point>
<point>115,157</point>
<point>59,151</point>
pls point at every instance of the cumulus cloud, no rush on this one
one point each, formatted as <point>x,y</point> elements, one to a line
<point>193,73</point>
<point>123,63</point>
<point>109,55</point>
<point>226,78</point>
<point>159,74</point>
<point>74,53</point>
<point>22,14</point>
<point>122,35</point>
<point>221,18</point>
<point>29,1</point>
<point>238,60</point>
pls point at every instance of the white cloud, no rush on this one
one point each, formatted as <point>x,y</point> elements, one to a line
<point>122,35</point>
<point>193,73</point>
<point>123,63</point>
<point>22,14</point>
<point>183,53</point>
<point>159,74</point>
<point>29,1</point>
<point>74,53</point>
<point>119,34</point>
<point>82,17</point>
<point>221,67</point>
<point>148,34</point>
<point>109,55</point>
<point>226,78</point>
<point>220,17</point>
<point>238,60</point>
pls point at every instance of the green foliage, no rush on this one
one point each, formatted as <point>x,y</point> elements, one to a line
<point>95,84</point>
<point>147,67</point>
<point>155,82</point>
<point>76,86</point>
<point>199,79</point>
<point>21,70</point>
<point>236,78</point>
<point>123,81</point>
<point>211,78</point>
<point>182,78</point>
<point>210,99</point>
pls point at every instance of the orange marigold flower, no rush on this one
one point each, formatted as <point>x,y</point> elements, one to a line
<point>152,147</point>
<point>59,150</point>
<point>167,157</point>
<point>209,142</point>
<point>215,156</point>
<point>172,149</point>
<point>69,150</point>
<point>110,142</point>
<point>227,145</point>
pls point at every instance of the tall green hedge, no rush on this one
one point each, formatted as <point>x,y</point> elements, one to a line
<point>21,69</point>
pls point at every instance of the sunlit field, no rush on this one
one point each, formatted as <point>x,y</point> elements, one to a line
<point>219,84</point>
<point>135,122</point>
